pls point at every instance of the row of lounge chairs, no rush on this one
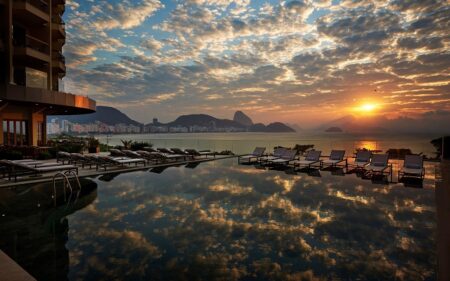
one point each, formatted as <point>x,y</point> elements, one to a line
<point>16,168</point>
<point>66,162</point>
<point>371,164</point>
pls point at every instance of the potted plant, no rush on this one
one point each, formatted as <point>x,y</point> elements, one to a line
<point>93,145</point>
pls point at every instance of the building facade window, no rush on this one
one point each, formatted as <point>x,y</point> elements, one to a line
<point>36,78</point>
<point>15,132</point>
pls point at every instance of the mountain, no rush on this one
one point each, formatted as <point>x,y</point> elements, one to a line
<point>334,130</point>
<point>258,127</point>
<point>243,119</point>
<point>203,120</point>
<point>352,124</point>
<point>278,127</point>
<point>112,116</point>
<point>104,114</point>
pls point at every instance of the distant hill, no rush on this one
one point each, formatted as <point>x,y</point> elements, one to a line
<point>104,114</point>
<point>353,124</point>
<point>278,127</point>
<point>203,120</point>
<point>210,121</point>
<point>243,119</point>
<point>334,130</point>
<point>112,116</point>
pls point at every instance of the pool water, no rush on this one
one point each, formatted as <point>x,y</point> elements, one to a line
<point>224,221</point>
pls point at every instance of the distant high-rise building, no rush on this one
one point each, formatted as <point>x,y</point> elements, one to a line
<point>155,121</point>
<point>32,34</point>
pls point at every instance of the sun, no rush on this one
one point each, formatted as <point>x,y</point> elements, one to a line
<point>368,107</point>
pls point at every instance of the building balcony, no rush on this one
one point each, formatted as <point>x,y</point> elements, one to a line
<point>59,62</point>
<point>50,102</point>
<point>31,11</point>
<point>59,30</point>
<point>32,48</point>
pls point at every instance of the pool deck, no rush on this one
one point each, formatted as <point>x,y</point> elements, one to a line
<point>92,173</point>
<point>11,271</point>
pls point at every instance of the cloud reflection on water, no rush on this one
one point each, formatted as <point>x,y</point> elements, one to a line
<point>223,222</point>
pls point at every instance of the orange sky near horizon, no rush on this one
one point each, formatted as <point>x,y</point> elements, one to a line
<point>299,62</point>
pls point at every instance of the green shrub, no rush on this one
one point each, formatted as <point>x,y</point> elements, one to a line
<point>44,155</point>
<point>71,147</point>
<point>139,145</point>
<point>104,147</point>
<point>93,142</point>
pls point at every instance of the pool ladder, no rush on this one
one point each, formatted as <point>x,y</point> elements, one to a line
<point>66,176</point>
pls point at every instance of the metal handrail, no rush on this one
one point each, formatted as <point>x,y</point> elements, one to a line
<point>66,183</point>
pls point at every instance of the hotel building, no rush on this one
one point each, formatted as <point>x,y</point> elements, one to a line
<point>32,34</point>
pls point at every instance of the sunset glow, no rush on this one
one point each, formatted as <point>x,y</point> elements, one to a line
<point>368,107</point>
<point>164,58</point>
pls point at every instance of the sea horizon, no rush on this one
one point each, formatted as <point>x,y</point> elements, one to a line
<point>244,142</point>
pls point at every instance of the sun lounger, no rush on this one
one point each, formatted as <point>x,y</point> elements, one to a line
<point>62,157</point>
<point>121,161</point>
<point>277,153</point>
<point>154,157</point>
<point>149,149</point>
<point>99,162</point>
<point>362,158</point>
<point>194,152</point>
<point>21,169</point>
<point>131,154</point>
<point>165,150</point>
<point>116,153</point>
<point>80,159</point>
<point>379,163</point>
<point>336,157</point>
<point>257,152</point>
<point>312,157</point>
<point>288,156</point>
<point>412,167</point>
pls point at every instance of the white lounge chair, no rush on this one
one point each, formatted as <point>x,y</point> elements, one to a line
<point>121,161</point>
<point>312,157</point>
<point>277,153</point>
<point>379,163</point>
<point>336,157</point>
<point>362,158</point>
<point>412,167</point>
<point>257,152</point>
<point>288,156</point>
<point>21,169</point>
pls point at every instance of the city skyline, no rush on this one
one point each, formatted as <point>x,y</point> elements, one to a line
<point>304,62</point>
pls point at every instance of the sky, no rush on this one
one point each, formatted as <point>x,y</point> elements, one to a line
<point>299,62</point>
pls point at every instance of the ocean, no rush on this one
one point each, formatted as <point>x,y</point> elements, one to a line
<point>240,143</point>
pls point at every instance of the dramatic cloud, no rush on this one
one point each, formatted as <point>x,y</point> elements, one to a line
<point>203,56</point>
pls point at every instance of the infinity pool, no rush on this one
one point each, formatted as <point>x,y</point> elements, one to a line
<point>224,221</point>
